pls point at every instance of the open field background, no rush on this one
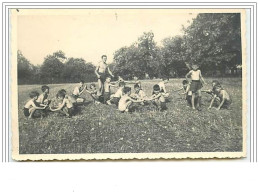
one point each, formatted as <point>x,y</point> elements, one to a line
<point>103,129</point>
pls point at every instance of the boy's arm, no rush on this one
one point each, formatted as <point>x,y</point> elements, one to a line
<point>153,97</point>
<point>223,99</point>
<point>96,71</point>
<point>58,108</point>
<point>136,101</point>
<point>110,72</point>
<point>37,107</point>
<point>212,101</point>
<point>188,75</point>
<point>202,79</point>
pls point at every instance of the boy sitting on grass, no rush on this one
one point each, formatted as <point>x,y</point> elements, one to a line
<point>162,86</point>
<point>78,91</point>
<point>66,107</point>
<point>31,106</point>
<point>221,94</point>
<point>115,98</point>
<point>158,98</point>
<point>43,98</point>
<point>93,93</point>
<point>197,82</point>
<point>107,89</point>
<point>139,94</point>
<point>125,103</point>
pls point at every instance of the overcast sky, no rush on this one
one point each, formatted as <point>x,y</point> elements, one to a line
<point>92,33</point>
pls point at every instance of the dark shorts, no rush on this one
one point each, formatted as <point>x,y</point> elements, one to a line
<point>26,112</point>
<point>106,96</point>
<point>102,77</point>
<point>226,103</point>
<point>70,111</point>
<point>115,100</point>
<point>195,86</point>
<point>75,96</point>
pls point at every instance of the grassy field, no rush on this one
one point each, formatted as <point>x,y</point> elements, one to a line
<point>103,129</point>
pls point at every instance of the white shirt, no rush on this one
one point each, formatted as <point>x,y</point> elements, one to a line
<point>195,75</point>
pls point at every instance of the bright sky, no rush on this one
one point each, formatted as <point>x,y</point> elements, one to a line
<point>88,34</point>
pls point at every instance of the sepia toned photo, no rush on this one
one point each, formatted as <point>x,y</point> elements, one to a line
<point>128,84</point>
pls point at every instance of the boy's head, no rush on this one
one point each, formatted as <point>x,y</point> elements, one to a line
<point>195,67</point>
<point>92,86</point>
<point>45,89</point>
<point>104,58</point>
<point>135,78</point>
<point>127,90</point>
<point>121,84</point>
<point>60,95</point>
<point>136,87</point>
<point>156,89</point>
<point>185,82</point>
<point>81,83</point>
<point>63,91</point>
<point>34,95</point>
<point>108,79</point>
<point>215,83</point>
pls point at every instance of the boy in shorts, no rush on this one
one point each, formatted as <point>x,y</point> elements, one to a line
<point>220,94</point>
<point>126,101</point>
<point>43,98</point>
<point>107,90</point>
<point>65,106</point>
<point>78,91</point>
<point>115,98</point>
<point>93,93</point>
<point>31,106</point>
<point>158,98</point>
<point>197,82</point>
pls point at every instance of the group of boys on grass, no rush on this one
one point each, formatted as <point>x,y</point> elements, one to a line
<point>122,98</point>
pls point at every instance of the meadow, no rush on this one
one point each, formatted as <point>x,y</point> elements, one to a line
<point>103,129</point>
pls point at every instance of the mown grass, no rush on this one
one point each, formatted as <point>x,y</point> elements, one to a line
<point>103,129</point>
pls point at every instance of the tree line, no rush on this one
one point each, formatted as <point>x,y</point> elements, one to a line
<point>212,40</point>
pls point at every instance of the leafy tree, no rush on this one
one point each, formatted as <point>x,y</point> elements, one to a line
<point>52,67</point>
<point>213,40</point>
<point>25,69</point>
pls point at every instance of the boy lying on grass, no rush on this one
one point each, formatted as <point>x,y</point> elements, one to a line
<point>31,106</point>
<point>93,93</point>
<point>221,94</point>
<point>66,107</point>
<point>115,98</point>
<point>125,103</point>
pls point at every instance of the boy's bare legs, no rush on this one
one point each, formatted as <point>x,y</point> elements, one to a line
<point>64,111</point>
<point>193,103</point>
<point>127,106</point>
<point>199,99</point>
<point>31,111</point>
<point>100,87</point>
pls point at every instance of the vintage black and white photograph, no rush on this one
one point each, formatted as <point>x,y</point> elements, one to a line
<point>128,83</point>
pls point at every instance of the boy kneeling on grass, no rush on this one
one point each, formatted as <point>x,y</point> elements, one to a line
<point>31,106</point>
<point>66,107</point>
<point>220,94</point>
<point>115,98</point>
<point>43,98</point>
<point>125,103</point>
<point>158,98</point>
<point>93,93</point>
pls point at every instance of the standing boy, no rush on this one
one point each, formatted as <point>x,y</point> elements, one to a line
<point>101,72</point>
<point>197,82</point>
